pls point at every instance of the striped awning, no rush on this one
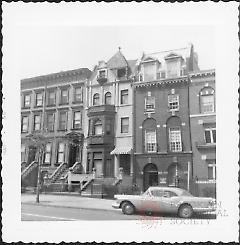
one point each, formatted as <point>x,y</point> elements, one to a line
<point>121,150</point>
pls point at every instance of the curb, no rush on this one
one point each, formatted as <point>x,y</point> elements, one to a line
<point>60,206</point>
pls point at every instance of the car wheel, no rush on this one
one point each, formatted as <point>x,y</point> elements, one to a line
<point>128,208</point>
<point>185,211</point>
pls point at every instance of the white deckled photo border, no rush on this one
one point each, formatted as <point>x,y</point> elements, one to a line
<point>223,17</point>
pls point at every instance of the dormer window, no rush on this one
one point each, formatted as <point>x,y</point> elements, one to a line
<point>121,72</point>
<point>102,74</point>
<point>173,62</point>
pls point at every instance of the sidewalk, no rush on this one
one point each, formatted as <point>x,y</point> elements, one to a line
<point>68,201</point>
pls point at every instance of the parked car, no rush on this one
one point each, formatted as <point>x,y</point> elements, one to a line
<point>165,200</point>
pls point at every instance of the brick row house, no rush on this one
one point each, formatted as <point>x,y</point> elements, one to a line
<point>162,147</point>
<point>53,105</point>
<point>203,130</point>
<point>109,115</point>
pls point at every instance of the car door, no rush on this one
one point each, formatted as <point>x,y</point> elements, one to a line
<point>147,202</point>
<point>163,201</point>
<point>157,203</point>
<point>168,202</point>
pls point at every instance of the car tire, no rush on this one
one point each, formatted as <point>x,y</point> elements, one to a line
<point>128,208</point>
<point>185,211</point>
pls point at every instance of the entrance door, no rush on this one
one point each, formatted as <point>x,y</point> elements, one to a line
<point>98,167</point>
<point>72,155</point>
<point>31,155</point>
<point>150,176</point>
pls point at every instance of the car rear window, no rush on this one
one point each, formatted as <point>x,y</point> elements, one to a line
<point>185,193</point>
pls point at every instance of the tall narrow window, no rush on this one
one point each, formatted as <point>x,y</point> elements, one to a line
<point>60,155</point>
<point>124,96</point>
<point>96,99</point>
<point>124,124</point>
<point>149,135</point>
<point>210,135</point>
<point>108,98</point>
<point>27,100</point>
<point>63,120</point>
<point>108,126</point>
<point>47,158</point>
<point>211,170</point>
<point>23,153</point>
<point>24,126</point>
<point>173,102</point>
<point>51,98</point>
<point>37,123</point>
<point>78,94</point>
<point>64,96</point>
<point>97,128</point>
<point>150,141</point>
<point>175,142</point>
<point>50,122</point>
<point>39,99</point>
<point>76,119</point>
<point>150,103</point>
<point>207,100</point>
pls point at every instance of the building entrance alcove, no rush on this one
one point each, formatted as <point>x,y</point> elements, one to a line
<point>31,154</point>
<point>150,176</point>
<point>73,155</point>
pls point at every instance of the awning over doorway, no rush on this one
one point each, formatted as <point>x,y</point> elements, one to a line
<point>121,150</point>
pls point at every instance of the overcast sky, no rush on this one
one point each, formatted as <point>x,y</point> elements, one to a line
<point>46,41</point>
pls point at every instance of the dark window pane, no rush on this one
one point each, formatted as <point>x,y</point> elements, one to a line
<point>208,136</point>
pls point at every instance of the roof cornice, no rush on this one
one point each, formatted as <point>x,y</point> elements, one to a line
<point>162,82</point>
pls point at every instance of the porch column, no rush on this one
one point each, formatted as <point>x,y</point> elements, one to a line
<point>116,165</point>
<point>103,164</point>
<point>131,165</point>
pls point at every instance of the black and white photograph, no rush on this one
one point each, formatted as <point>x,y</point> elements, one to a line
<point>120,122</point>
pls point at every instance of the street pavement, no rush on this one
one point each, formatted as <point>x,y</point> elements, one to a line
<point>75,207</point>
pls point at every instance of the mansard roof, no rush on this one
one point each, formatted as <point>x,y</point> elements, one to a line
<point>163,55</point>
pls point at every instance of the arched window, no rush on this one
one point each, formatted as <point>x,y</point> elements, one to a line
<point>96,99</point>
<point>108,98</point>
<point>149,135</point>
<point>97,129</point>
<point>207,100</point>
<point>174,134</point>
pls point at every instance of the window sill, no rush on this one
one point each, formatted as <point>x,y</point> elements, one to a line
<point>51,105</point>
<point>76,128</point>
<point>62,104</point>
<point>24,132</point>
<point>26,107</point>
<point>77,102</point>
<point>62,130</point>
